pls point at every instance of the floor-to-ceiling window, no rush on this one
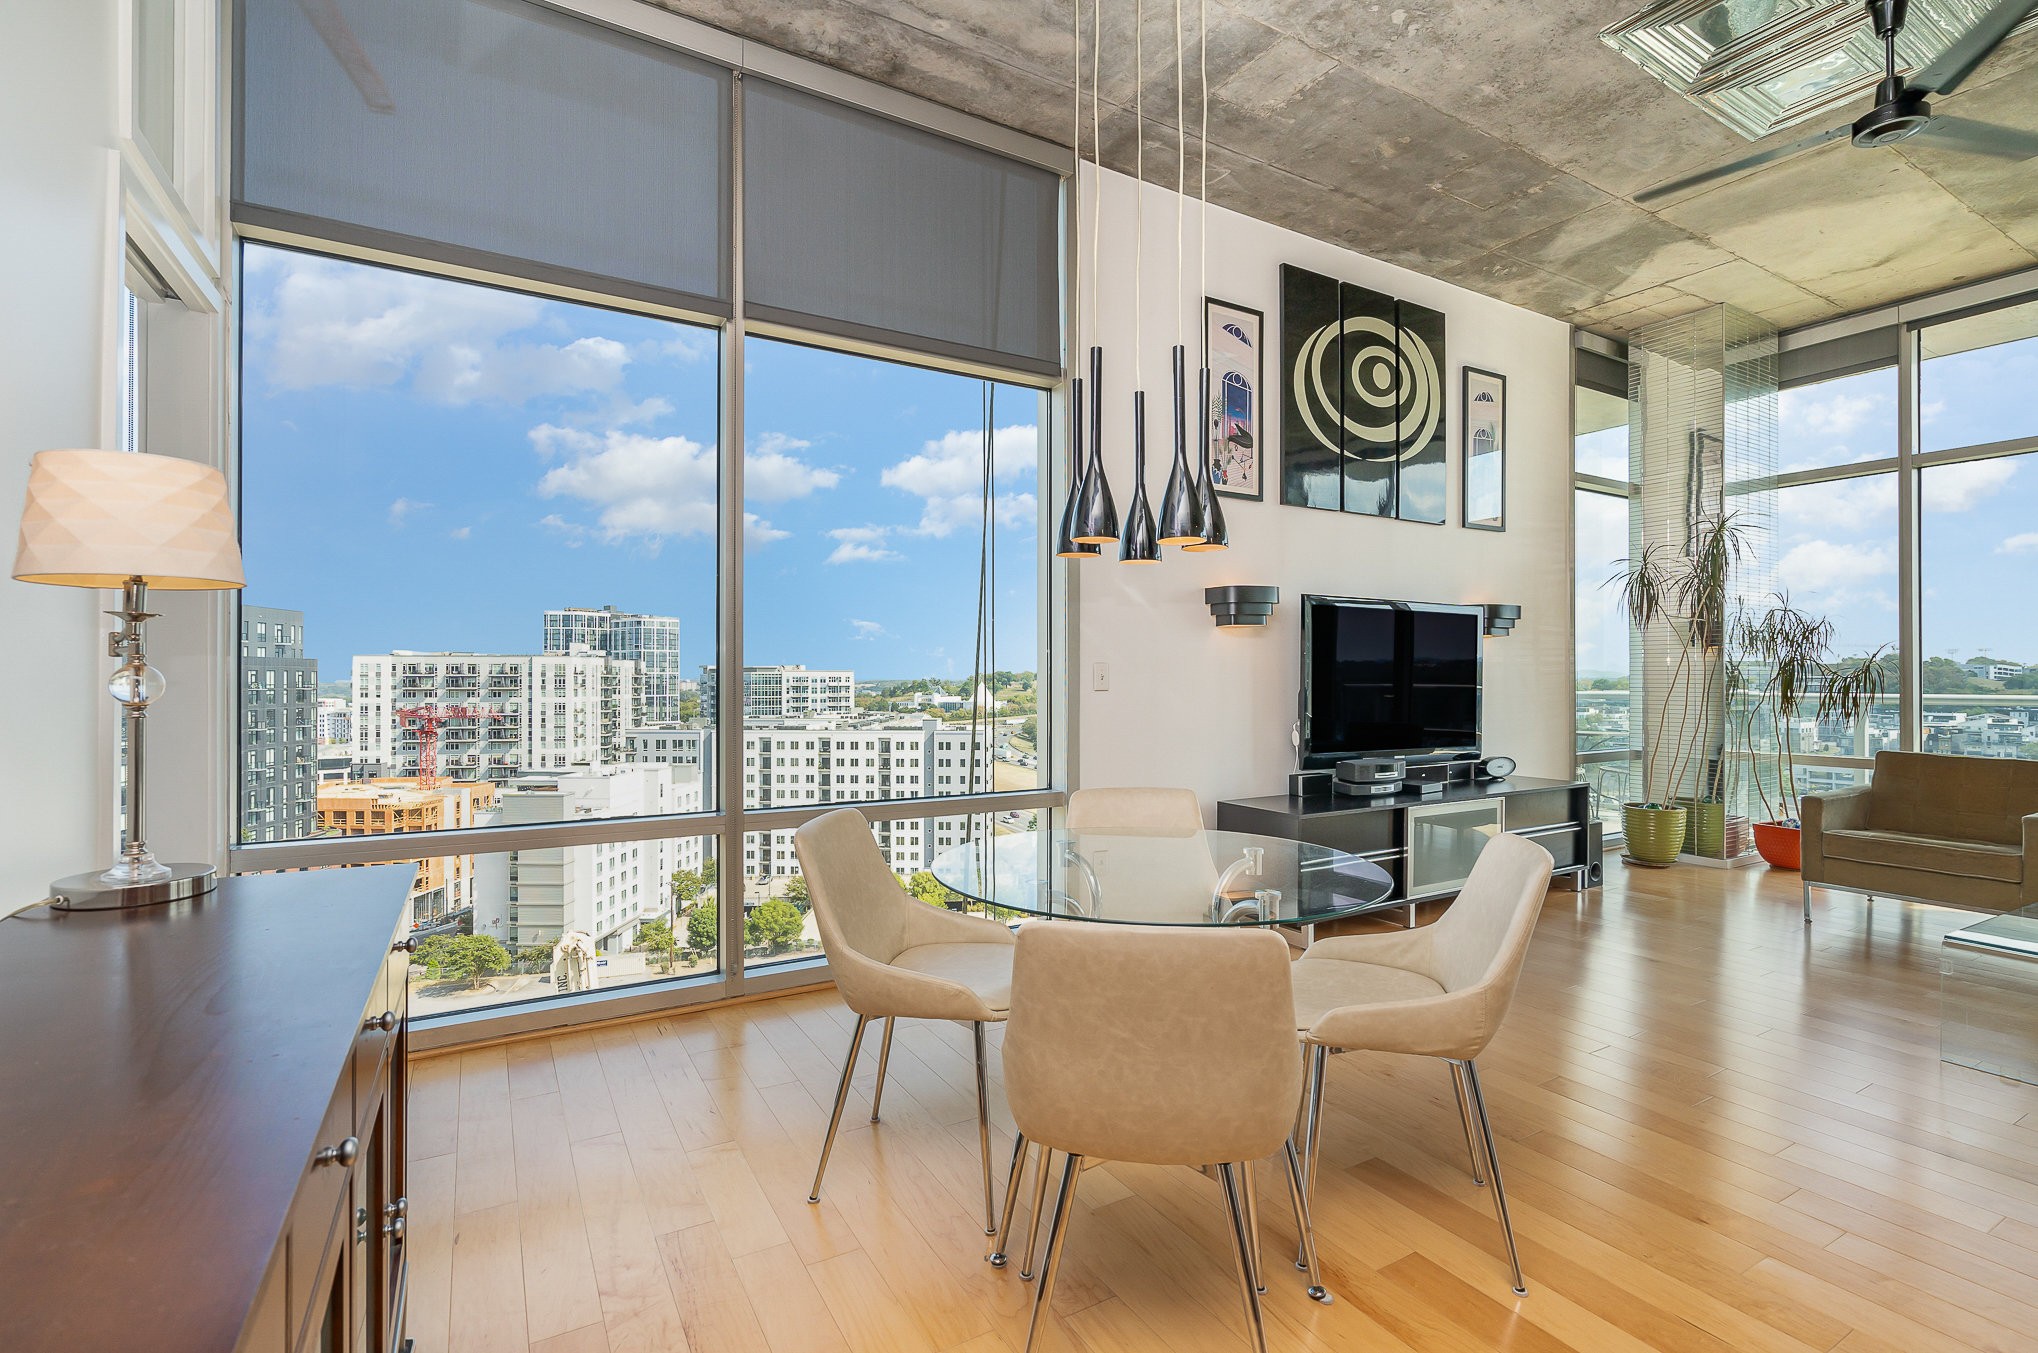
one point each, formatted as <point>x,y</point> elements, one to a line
<point>1606,732</point>
<point>509,615</point>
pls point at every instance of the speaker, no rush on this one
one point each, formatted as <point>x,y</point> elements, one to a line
<point>1595,855</point>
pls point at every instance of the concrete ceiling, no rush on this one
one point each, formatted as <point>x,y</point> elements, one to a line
<point>1492,143</point>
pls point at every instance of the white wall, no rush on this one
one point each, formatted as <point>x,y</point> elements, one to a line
<point>59,271</point>
<point>1212,710</point>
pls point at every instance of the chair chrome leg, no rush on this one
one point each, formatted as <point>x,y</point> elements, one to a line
<point>1807,903</point>
<point>884,1057</point>
<point>1465,1117</point>
<point>1057,1234</point>
<point>997,1254</point>
<point>1248,1187</point>
<point>984,1130</point>
<point>1493,1169</point>
<point>1303,1224</point>
<point>1255,1321</point>
<point>1312,1128</point>
<point>841,1098</point>
<point>1033,1222</point>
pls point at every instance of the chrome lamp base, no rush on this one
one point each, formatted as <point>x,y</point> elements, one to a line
<point>98,890</point>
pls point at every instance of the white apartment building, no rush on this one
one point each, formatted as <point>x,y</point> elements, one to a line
<point>650,641</point>
<point>693,748</point>
<point>531,897</point>
<point>778,694</point>
<point>335,720</point>
<point>506,713</point>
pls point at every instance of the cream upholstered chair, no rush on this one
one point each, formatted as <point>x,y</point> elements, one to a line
<point>1160,1045</point>
<point>1437,991</point>
<point>894,957</point>
<point>1135,812</point>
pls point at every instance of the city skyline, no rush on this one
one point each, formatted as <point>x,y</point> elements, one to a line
<point>429,463</point>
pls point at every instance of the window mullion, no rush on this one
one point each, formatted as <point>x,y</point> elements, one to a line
<point>1910,637</point>
<point>729,874</point>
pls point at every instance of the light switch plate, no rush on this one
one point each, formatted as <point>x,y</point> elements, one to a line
<point>1100,676</point>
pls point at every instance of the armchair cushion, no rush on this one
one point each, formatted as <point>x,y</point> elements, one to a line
<point>1323,985</point>
<point>983,970</point>
<point>1934,855</point>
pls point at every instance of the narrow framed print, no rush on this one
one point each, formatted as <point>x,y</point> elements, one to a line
<point>1485,456</point>
<point>1233,340</point>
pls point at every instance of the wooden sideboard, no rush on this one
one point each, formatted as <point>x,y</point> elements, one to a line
<point>202,1120</point>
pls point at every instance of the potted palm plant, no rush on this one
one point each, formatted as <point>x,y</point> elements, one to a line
<point>1683,592</point>
<point>1790,651</point>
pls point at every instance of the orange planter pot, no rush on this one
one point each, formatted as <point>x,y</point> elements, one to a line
<point>1778,844</point>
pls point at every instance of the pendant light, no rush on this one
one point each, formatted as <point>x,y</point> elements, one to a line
<point>1181,513</point>
<point>1096,515</point>
<point>1216,534</point>
<point>1139,544</point>
<point>1066,545</point>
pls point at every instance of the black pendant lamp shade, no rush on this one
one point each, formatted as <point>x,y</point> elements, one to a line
<point>1216,535</point>
<point>1181,515</point>
<point>1138,545</point>
<point>1096,515</point>
<point>1066,546</point>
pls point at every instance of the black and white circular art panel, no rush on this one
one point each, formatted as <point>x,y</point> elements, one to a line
<point>1389,371</point>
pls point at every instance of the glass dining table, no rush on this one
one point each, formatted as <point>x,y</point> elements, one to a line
<point>1208,878</point>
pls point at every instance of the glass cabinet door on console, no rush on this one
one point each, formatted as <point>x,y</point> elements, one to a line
<point>1443,841</point>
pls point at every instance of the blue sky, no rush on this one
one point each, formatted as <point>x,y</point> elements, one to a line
<point>1834,545</point>
<point>429,464</point>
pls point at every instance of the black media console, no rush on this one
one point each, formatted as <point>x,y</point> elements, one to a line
<point>1428,841</point>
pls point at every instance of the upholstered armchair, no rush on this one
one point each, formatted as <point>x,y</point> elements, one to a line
<point>1961,831</point>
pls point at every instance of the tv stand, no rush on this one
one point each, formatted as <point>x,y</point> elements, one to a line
<point>1427,842</point>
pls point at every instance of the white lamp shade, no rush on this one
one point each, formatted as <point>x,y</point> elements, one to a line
<point>98,518</point>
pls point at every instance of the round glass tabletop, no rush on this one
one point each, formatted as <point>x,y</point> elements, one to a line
<point>1210,878</point>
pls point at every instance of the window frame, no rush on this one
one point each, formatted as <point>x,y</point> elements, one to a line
<point>731,821</point>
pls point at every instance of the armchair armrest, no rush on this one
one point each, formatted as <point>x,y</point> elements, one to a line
<point>2029,889</point>
<point>1842,810</point>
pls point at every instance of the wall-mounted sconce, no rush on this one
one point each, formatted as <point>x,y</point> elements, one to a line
<point>1500,619</point>
<point>1236,607</point>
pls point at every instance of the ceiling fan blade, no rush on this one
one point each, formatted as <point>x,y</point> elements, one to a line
<point>1982,138</point>
<point>1739,166</point>
<point>1945,73</point>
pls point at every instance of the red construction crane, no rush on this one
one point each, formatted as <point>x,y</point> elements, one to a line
<point>427,720</point>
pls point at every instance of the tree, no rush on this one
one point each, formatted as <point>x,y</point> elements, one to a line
<point>462,958</point>
<point>703,930</point>
<point>1943,676</point>
<point>931,890</point>
<point>687,884</point>
<point>655,938</point>
<point>774,924</point>
<point>796,892</point>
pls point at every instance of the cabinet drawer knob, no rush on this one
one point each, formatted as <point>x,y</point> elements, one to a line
<point>399,1208</point>
<point>409,946</point>
<point>386,1021</point>
<point>394,1228</point>
<point>346,1153</point>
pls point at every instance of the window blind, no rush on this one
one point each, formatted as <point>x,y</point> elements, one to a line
<point>866,228</point>
<point>490,133</point>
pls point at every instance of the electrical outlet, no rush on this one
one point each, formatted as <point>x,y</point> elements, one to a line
<point>1100,676</point>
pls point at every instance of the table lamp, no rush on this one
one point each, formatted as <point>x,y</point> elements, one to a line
<point>131,521</point>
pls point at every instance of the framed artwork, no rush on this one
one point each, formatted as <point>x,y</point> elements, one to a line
<point>1485,456</point>
<point>1363,404</point>
<point>1233,339</point>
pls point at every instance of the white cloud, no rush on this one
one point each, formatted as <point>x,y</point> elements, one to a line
<point>1836,415</point>
<point>403,509</point>
<point>758,531</point>
<point>329,323</point>
<point>2024,542</point>
<point>948,474</point>
<point>1866,505</point>
<point>1956,488</point>
<point>1823,565</point>
<point>861,545</point>
<point>772,474</point>
<point>645,488</point>
<point>867,629</point>
<point>460,532</point>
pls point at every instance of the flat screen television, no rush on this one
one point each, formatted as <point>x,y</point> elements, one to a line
<point>1388,678</point>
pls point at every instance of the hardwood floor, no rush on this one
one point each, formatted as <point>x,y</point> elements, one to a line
<point>1719,1130</point>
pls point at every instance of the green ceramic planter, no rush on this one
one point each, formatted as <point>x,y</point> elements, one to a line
<point>1707,830</point>
<point>1655,835</point>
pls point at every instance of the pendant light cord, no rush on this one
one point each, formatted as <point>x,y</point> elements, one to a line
<point>1138,190</point>
<point>1096,156</point>
<point>1181,163</point>
<point>1203,147</point>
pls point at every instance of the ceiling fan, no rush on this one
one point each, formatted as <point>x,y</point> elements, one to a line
<point>1901,107</point>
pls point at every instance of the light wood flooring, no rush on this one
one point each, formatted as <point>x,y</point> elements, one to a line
<point>1719,1131</point>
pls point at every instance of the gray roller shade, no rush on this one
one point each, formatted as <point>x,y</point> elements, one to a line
<point>860,226</point>
<point>495,133</point>
<point>1865,351</point>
